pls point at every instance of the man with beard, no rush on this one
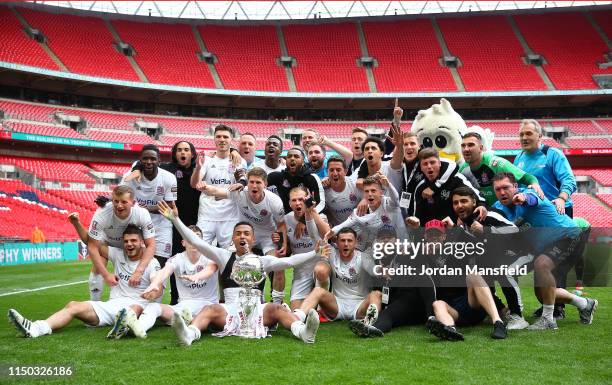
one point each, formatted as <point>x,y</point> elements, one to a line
<point>155,185</point>
<point>296,175</point>
<point>341,193</point>
<point>216,218</point>
<point>316,160</point>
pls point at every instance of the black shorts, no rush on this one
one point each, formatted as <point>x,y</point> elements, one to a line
<point>468,315</point>
<point>562,250</point>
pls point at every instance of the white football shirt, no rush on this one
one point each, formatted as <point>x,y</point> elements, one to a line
<point>124,268</point>
<point>106,227</point>
<point>340,205</point>
<point>202,291</point>
<point>218,172</point>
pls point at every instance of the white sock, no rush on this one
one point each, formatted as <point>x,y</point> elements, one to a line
<point>547,311</point>
<point>580,302</point>
<point>40,328</point>
<point>149,315</point>
<point>300,314</point>
<point>278,296</point>
<point>195,332</point>
<point>96,286</point>
<point>296,328</point>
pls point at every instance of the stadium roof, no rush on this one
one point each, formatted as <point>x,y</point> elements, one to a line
<point>296,10</point>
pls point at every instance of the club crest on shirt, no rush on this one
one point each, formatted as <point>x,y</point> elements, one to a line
<point>286,183</point>
<point>94,225</point>
<point>178,174</point>
<point>159,190</point>
<point>352,272</point>
<point>445,194</point>
<point>385,218</point>
<point>352,197</point>
<point>167,248</point>
<point>484,178</point>
<point>199,268</point>
<point>263,212</point>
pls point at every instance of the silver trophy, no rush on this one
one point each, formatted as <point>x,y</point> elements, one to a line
<point>248,272</point>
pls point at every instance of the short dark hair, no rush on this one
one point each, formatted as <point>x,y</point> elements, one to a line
<point>279,139</point>
<point>428,152</point>
<point>298,149</point>
<point>473,135</point>
<point>374,139</point>
<point>465,191</point>
<point>337,159</point>
<point>243,223</point>
<point>150,147</point>
<point>347,230</point>
<point>133,229</point>
<point>503,175</point>
<point>223,127</point>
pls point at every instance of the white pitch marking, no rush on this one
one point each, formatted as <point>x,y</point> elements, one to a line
<point>41,288</point>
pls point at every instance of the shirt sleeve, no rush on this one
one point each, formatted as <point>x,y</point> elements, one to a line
<point>271,263</point>
<point>278,210</point>
<point>96,227</point>
<point>148,229</point>
<point>316,187</point>
<point>171,188</point>
<point>563,172</point>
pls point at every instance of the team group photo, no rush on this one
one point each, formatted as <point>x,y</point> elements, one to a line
<point>424,198</point>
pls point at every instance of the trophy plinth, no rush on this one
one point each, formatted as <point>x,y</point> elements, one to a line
<point>248,273</point>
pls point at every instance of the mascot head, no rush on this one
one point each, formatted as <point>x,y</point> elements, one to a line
<point>440,127</point>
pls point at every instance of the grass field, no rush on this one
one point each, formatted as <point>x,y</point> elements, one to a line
<point>574,354</point>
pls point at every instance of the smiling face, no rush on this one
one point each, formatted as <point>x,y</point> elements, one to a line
<point>529,137</point>
<point>431,168</point>
<point>122,205</point>
<point>132,245</point>
<point>463,206</point>
<point>309,137</point>
<point>316,156</point>
<point>184,154</point>
<point>150,162</point>
<point>223,140</point>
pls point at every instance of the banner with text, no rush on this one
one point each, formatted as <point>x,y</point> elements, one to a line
<point>24,253</point>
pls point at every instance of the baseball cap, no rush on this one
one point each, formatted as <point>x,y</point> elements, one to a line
<point>435,224</point>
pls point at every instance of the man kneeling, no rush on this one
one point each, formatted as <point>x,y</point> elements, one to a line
<point>100,313</point>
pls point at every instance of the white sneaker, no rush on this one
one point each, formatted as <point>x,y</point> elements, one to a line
<point>309,332</point>
<point>186,315</point>
<point>515,322</point>
<point>371,315</point>
<point>131,321</point>
<point>22,324</point>
<point>181,330</point>
<point>543,324</point>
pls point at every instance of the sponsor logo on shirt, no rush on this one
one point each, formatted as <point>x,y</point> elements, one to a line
<point>220,181</point>
<point>94,225</point>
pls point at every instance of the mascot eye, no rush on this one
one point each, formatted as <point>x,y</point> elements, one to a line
<point>427,142</point>
<point>441,141</point>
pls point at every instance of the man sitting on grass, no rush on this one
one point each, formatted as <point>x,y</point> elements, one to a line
<point>99,313</point>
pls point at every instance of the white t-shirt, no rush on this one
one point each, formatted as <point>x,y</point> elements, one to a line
<point>340,205</point>
<point>205,290</point>
<point>106,227</point>
<point>149,192</point>
<point>218,172</point>
<point>124,268</point>
<point>263,215</point>
<point>351,280</point>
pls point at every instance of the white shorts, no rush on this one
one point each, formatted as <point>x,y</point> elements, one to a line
<point>232,321</point>
<point>347,309</point>
<point>264,242</point>
<point>163,242</point>
<point>194,305</point>
<point>107,310</point>
<point>221,231</point>
<point>301,286</point>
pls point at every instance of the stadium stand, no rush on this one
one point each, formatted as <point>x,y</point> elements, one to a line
<point>27,111</point>
<point>43,129</point>
<point>601,142</point>
<point>53,170</point>
<point>326,57</point>
<point>579,127</point>
<point>120,137</point>
<point>603,20</point>
<point>83,44</point>
<point>198,141</point>
<point>588,207</point>
<point>166,53</point>
<point>569,44</point>
<point>29,52</point>
<point>117,168</point>
<point>415,66</point>
<point>600,175</point>
<point>490,61</point>
<point>254,48</point>
<point>606,198</point>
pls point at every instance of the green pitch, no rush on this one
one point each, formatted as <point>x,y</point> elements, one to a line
<point>574,354</point>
